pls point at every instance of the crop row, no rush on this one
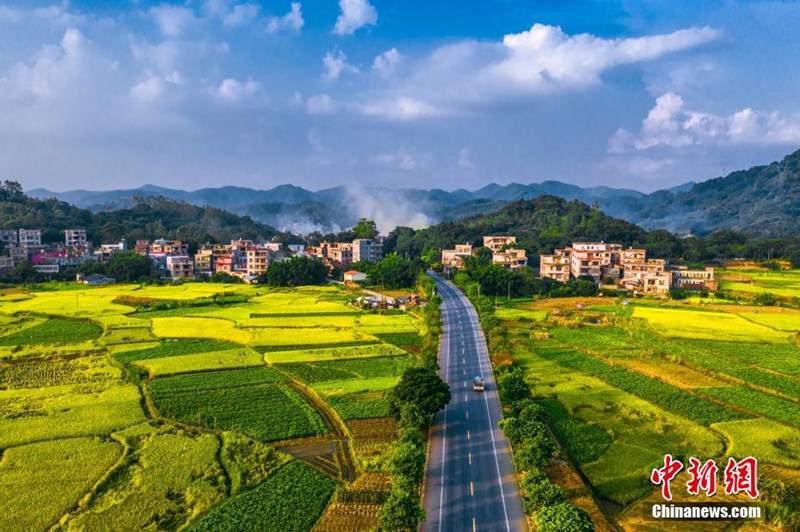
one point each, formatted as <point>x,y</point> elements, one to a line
<point>655,391</point>
<point>55,371</point>
<point>585,443</point>
<point>211,380</point>
<point>55,331</point>
<point>171,348</point>
<point>266,412</point>
<point>760,403</point>
<point>357,368</point>
<point>291,500</point>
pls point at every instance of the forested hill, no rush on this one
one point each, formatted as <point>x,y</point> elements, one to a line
<point>762,201</point>
<point>540,225</point>
<point>148,218</point>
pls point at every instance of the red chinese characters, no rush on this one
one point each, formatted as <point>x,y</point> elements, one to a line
<point>665,475</point>
<point>702,477</point>
<point>741,477</point>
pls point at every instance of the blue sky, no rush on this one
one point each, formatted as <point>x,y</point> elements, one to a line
<point>635,94</point>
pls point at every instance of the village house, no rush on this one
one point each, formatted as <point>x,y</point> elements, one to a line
<point>510,258</point>
<point>625,268</point>
<point>8,236</point>
<point>367,250</point>
<point>94,279</point>
<point>354,276</point>
<point>497,243</point>
<point>30,237</point>
<point>454,258</point>
<point>75,238</point>
<point>180,266</point>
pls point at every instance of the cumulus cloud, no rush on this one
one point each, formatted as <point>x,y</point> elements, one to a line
<point>321,104</point>
<point>241,14</point>
<point>293,20</point>
<point>336,64</point>
<point>52,70</point>
<point>172,20</point>
<point>232,90</point>
<point>355,14</point>
<point>464,160</point>
<point>385,63</point>
<point>670,123</point>
<point>538,61</point>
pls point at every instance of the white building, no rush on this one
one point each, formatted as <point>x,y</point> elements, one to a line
<point>30,237</point>
<point>367,250</point>
<point>180,266</point>
<point>75,238</point>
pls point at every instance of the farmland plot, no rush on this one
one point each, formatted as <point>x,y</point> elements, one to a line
<point>54,331</point>
<point>248,400</point>
<point>141,496</point>
<point>57,371</point>
<point>215,360</point>
<point>171,348</point>
<point>332,353</point>
<point>92,409</point>
<point>200,327</point>
<point>707,326</point>
<point>291,500</point>
<point>40,482</point>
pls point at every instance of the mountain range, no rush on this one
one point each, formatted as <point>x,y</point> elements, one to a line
<point>763,200</point>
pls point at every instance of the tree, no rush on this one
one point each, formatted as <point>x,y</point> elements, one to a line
<point>297,271</point>
<point>401,512</point>
<point>407,465</point>
<point>539,492</point>
<point>563,517</point>
<point>421,387</point>
<point>512,387</point>
<point>365,229</point>
<point>129,266</point>
<point>534,451</point>
<point>24,273</point>
<point>394,272</point>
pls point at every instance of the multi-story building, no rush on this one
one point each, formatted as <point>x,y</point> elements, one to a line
<point>8,236</point>
<point>180,266</point>
<point>454,258</point>
<point>168,247</point>
<point>556,266</point>
<point>510,258</point>
<point>30,237</point>
<point>257,261</point>
<point>204,261</point>
<point>75,238</point>
<point>683,277</point>
<point>142,247</point>
<point>368,250</point>
<point>6,264</point>
<point>497,243</point>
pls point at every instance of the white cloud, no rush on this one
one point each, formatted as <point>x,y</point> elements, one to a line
<point>232,90</point>
<point>401,108</point>
<point>149,91</point>
<point>545,58</point>
<point>399,159</point>
<point>669,123</point>
<point>355,14</point>
<point>335,64</point>
<point>241,14</point>
<point>321,104</point>
<point>172,20</point>
<point>386,62</point>
<point>456,77</point>
<point>293,20</point>
<point>464,160</point>
<point>52,70</point>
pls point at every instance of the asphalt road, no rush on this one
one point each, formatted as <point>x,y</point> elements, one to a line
<point>469,479</point>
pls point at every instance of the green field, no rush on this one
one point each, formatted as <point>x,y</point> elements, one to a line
<point>782,283</point>
<point>161,407</point>
<point>654,378</point>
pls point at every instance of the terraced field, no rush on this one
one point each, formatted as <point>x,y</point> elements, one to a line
<point>103,390</point>
<point>638,381</point>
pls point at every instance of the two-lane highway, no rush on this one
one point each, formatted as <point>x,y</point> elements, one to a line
<point>469,479</point>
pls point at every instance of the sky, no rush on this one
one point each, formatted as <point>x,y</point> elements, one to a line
<point>644,94</point>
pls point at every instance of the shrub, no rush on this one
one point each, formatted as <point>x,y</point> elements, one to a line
<point>563,518</point>
<point>539,492</point>
<point>401,512</point>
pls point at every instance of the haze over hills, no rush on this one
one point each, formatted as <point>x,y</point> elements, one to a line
<point>764,200</point>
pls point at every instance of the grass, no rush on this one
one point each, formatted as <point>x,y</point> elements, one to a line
<point>94,409</point>
<point>783,283</point>
<point>54,331</point>
<point>127,335</point>
<point>214,360</point>
<point>374,350</point>
<point>170,348</point>
<point>307,336</point>
<point>707,325</point>
<point>785,321</point>
<point>40,482</point>
<point>781,358</point>
<point>359,405</point>
<point>247,461</point>
<point>248,400</point>
<point>171,477</point>
<point>291,500</point>
<point>516,314</point>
